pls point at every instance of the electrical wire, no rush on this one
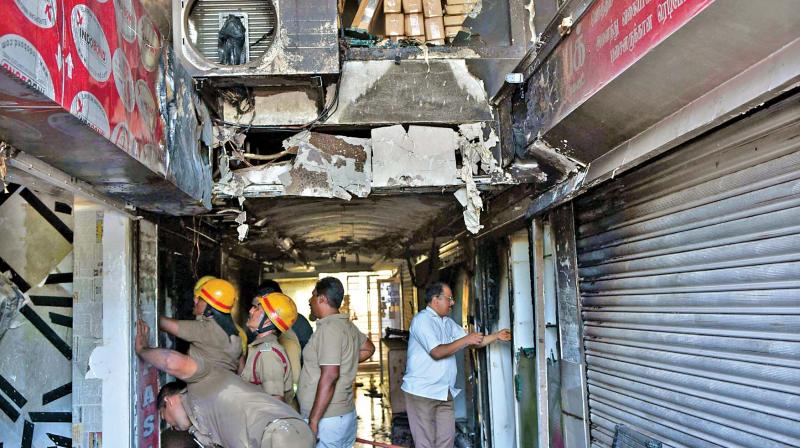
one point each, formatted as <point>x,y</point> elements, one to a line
<point>326,112</point>
<point>321,118</point>
<point>239,97</point>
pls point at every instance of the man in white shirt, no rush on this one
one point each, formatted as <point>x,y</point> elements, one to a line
<point>430,377</point>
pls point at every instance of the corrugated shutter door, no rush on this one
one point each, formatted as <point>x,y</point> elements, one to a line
<point>690,285</point>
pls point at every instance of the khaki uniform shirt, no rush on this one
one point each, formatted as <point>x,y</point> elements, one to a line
<point>226,411</point>
<point>210,342</point>
<point>336,342</point>
<point>291,344</point>
<point>268,366</point>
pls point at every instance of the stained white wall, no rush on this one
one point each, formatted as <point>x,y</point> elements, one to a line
<point>103,365</point>
<point>501,375</point>
<point>522,327</point>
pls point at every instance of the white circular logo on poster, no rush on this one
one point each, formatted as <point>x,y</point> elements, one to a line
<point>88,109</point>
<point>126,19</point>
<point>21,58</point>
<point>122,137</point>
<point>149,43</point>
<point>146,105</point>
<point>41,12</point>
<point>90,42</point>
<point>123,79</point>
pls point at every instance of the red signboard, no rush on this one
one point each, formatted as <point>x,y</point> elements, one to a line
<point>147,409</point>
<point>98,59</point>
<point>609,38</point>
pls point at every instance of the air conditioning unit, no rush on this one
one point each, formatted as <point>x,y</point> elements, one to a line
<point>256,38</point>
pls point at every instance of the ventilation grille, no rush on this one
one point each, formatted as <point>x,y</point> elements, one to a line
<point>204,24</point>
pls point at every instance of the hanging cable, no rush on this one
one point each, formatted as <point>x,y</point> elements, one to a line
<point>326,112</point>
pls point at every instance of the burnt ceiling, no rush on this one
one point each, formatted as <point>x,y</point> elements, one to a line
<point>348,235</point>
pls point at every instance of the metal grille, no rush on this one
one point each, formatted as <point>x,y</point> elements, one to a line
<point>204,24</point>
<point>627,438</point>
<point>690,285</point>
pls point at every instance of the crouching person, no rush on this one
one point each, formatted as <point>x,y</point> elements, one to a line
<point>267,363</point>
<point>217,407</point>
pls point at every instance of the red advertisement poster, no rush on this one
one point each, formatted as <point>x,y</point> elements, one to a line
<point>30,44</point>
<point>98,59</point>
<point>609,38</point>
<point>147,408</point>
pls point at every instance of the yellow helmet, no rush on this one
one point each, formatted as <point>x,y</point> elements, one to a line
<point>280,309</point>
<point>218,293</point>
<point>203,280</point>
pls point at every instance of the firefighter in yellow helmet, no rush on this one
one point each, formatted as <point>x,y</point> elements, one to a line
<point>267,364</point>
<point>199,284</point>
<point>213,335</point>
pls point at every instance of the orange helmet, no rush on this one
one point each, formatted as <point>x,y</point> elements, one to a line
<point>203,280</point>
<point>279,309</point>
<point>218,293</point>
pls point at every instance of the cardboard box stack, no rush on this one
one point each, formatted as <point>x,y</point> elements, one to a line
<point>395,25</point>
<point>414,20</point>
<point>430,21</point>
<point>434,24</point>
<point>394,20</point>
<point>415,26</point>
<point>366,14</point>
<point>455,14</point>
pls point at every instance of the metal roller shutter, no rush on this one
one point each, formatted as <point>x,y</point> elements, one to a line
<point>690,285</point>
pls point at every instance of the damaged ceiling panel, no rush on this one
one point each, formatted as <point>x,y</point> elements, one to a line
<point>328,166</point>
<point>423,156</point>
<point>393,160</point>
<point>372,93</point>
<point>363,231</point>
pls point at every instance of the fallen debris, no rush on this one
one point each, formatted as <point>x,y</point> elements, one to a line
<point>230,183</point>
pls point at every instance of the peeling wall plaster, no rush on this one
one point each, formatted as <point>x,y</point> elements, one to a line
<point>466,81</point>
<point>530,7</point>
<point>476,152</point>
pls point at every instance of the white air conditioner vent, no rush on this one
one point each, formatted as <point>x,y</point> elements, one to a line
<point>206,17</point>
<point>283,38</point>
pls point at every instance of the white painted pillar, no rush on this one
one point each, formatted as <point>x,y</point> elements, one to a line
<point>111,362</point>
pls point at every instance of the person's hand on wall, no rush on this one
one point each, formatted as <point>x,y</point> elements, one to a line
<point>504,335</point>
<point>142,340</point>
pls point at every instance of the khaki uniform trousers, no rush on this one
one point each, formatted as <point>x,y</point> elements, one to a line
<point>432,422</point>
<point>288,432</point>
